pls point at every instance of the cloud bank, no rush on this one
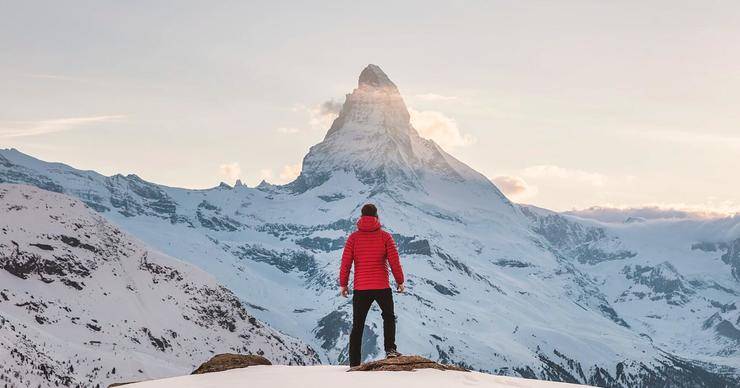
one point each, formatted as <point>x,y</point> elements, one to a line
<point>515,187</point>
<point>653,212</point>
<point>230,171</point>
<point>287,174</point>
<point>440,128</point>
<point>320,116</point>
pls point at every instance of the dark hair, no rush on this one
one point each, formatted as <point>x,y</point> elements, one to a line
<point>369,210</point>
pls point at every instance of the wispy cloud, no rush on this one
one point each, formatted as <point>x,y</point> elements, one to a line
<point>12,129</point>
<point>320,117</point>
<point>265,174</point>
<point>61,78</point>
<point>435,97</point>
<point>440,128</point>
<point>515,187</point>
<point>287,174</point>
<point>553,171</point>
<point>616,213</point>
<point>230,171</point>
<point>690,138</point>
<point>55,77</point>
<point>429,123</point>
<point>287,130</point>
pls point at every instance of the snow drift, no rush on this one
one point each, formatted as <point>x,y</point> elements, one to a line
<point>337,376</point>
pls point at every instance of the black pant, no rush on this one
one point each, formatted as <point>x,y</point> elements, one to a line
<point>361,302</point>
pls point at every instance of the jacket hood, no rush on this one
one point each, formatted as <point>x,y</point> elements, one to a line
<point>368,224</point>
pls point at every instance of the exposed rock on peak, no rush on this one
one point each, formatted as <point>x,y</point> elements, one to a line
<point>373,76</point>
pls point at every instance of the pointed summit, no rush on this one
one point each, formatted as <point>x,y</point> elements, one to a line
<point>375,106</point>
<point>374,76</point>
<point>372,140</point>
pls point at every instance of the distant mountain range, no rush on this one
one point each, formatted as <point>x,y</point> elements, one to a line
<point>492,285</point>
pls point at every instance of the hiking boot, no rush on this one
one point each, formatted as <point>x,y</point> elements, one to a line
<point>392,354</point>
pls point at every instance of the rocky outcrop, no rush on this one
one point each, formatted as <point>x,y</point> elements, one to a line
<point>122,384</point>
<point>403,363</point>
<point>227,361</point>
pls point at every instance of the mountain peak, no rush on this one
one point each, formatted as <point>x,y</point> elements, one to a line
<point>373,139</point>
<point>373,76</point>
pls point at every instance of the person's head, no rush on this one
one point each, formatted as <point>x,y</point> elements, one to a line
<point>369,210</point>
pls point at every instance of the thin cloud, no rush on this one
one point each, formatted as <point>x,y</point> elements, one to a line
<point>709,210</point>
<point>13,129</point>
<point>288,130</point>
<point>55,77</point>
<point>230,171</point>
<point>440,128</point>
<point>321,116</point>
<point>330,107</point>
<point>265,174</point>
<point>690,138</point>
<point>557,172</point>
<point>435,97</point>
<point>69,79</point>
<point>289,172</point>
<point>515,187</point>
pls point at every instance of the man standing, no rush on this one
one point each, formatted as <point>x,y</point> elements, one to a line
<point>371,249</point>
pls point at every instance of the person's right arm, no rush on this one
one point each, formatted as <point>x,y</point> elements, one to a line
<point>391,252</point>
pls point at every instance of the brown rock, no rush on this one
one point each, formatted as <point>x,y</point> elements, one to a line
<point>222,362</point>
<point>404,363</point>
<point>119,384</point>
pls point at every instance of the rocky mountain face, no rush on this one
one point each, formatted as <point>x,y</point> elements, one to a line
<point>373,140</point>
<point>83,304</point>
<point>491,285</point>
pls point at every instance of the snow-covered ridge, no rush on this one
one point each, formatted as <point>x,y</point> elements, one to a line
<point>82,303</point>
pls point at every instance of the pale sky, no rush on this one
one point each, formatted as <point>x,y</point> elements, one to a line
<point>565,104</point>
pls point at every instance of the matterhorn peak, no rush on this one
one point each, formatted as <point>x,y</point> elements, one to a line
<point>374,107</point>
<point>373,140</point>
<point>373,76</point>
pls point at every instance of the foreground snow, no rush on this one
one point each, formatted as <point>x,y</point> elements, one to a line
<point>280,376</point>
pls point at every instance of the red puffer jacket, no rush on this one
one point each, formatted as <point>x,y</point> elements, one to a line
<point>371,249</point>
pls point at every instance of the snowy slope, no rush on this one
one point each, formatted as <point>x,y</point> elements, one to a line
<point>318,376</point>
<point>82,303</point>
<point>492,285</point>
<point>679,285</point>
